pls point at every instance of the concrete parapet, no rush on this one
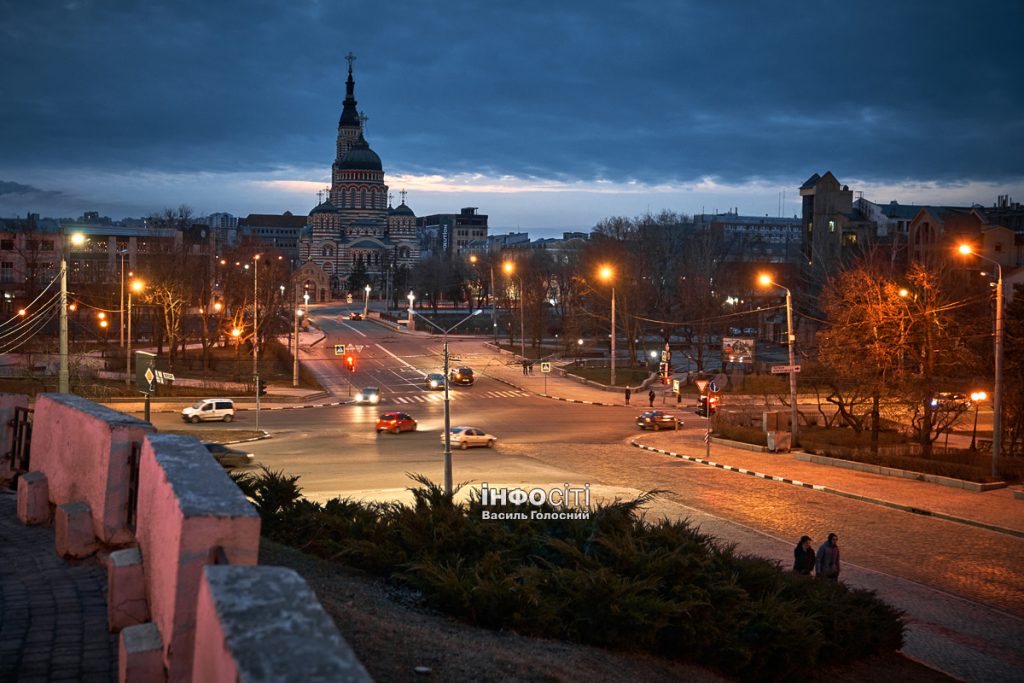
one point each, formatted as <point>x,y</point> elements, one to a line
<point>73,534</point>
<point>33,498</point>
<point>140,655</point>
<point>126,590</point>
<point>241,609</point>
<point>84,450</point>
<point>188,509</point>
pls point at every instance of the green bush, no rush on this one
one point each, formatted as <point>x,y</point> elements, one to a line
<point>728,430</point>
<point>613,580</point>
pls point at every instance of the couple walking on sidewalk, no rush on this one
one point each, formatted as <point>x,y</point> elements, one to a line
<point>824,563</point>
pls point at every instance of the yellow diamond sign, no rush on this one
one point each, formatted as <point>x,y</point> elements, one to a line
<point>149,375</point>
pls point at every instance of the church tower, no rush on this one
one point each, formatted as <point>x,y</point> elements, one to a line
<point>353,230</point>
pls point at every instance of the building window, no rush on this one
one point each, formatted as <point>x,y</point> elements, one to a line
<point>849,239</point>
<point>831,226</point>
<point>998,248</point>
<point>6,272</point>
<point>7,245</point>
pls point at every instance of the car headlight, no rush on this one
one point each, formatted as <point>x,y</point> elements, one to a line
<point>374,399</point>
<point>359,397</point>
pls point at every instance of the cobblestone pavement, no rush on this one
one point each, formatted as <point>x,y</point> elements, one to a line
<point>53,615</point>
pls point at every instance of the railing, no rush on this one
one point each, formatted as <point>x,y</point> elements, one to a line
<point>21,440</point>
<point>132,513</point>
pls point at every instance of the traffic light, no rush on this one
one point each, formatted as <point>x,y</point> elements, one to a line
<point>261,387</point>
<point>704,401</point>
<point>350,362</point>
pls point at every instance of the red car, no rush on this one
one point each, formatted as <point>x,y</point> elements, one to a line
<point>396,422</point>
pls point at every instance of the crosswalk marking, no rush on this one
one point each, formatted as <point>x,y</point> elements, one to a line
<point>437,398</point>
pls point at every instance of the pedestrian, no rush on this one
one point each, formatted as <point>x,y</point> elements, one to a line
<point>531,368</point>
<point>803,556</point>
<point>679,398</point>
<point>629,393</point>
<point>650,397</point>
<point>826,563</point>
<point>525,366</point>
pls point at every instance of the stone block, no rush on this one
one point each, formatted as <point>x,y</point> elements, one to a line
<point>126,590</point>
<point>33,498</point>
<point>140,655</point>
<point>73,530</point>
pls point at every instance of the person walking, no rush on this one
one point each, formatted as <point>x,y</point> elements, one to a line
<point>629,393</point>
<point>525,366</point>
<point>650,397</point>
<point>826,563</point>
<point>803,556</point>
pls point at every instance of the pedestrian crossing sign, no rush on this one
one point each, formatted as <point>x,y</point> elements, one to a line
<point>339,349</point>
<point>545,367</point>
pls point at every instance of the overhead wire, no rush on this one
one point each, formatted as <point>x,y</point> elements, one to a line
<point>30,320</point>
<point>17,318</point>
<point>39,324</point>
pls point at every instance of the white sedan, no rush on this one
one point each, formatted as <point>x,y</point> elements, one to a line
<point>464,437</point>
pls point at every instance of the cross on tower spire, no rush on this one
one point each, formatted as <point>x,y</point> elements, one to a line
<point>391,198</point>
<point>350,58</point>
<point>363,118</point>
<point>319,197</point>
<point>403,193</point>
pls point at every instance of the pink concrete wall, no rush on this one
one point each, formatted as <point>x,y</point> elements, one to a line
<point>8,402</point>
<point>83,449</point>
<point>188,507</point>
<point>212,661</point>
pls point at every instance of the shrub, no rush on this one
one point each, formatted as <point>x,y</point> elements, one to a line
<point>614,580</point>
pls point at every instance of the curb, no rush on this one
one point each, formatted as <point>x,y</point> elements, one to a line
<point>976,487</point>
<point>263,435</point>
<point>836,492</point>
<point>554,398</point>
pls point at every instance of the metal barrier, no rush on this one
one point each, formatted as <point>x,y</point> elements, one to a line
<point>21,440</point>
<point>132,515</point>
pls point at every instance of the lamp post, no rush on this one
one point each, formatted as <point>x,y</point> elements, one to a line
<point>411,297</point>
<point>976,398</point>
<point>607,274</point>
<point>490,293</point>
<point>447,410</point>
<point>510,269</point>
<point>366,302</point>
<point>766,280</point>
<point>997,393</point>
<point>136,287</point>
<point>63,377</point>
<point>255,323</point>
<point>295,351</point>
<point>122,253</point>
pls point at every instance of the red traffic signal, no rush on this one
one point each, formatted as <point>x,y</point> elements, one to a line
<point>350,361</point>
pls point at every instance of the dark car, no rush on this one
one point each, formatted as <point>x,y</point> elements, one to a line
<point>355,316</point>
<point>396,422</point>
<point>461,375</point>
<point>655,420</point>
<point>435,380</point>
<point>228,457</point>
<point>368,396</point>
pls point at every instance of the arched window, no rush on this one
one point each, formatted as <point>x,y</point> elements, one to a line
<point>362,199</point>
<point>328,267</point>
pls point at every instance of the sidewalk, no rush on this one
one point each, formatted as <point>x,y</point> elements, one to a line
<point>53,615</point>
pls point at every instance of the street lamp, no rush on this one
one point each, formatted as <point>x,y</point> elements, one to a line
<point>447,411</point>
<point>136,287</point>
<point>366,302</point>
<point>976,398</point>
<point>122,253</point>
<point>510,269</point>
<point>411,297</point>
<point>766,280</point>
<point>494,309</point>
<point>63,375</point>
<point>295,351</point>
<point>255,325</point>
<point>607,274</point>
<point>997,398</point>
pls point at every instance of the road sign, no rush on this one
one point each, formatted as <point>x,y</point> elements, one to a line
<point>545,367</point>
<point>701,384</point>
<point>784,369</point>
<point>339,349</point>
<point>713,387</point>
<point>144,371</point>
<point>355,347</point>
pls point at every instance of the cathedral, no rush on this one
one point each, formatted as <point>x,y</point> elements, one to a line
<point>354,236</point>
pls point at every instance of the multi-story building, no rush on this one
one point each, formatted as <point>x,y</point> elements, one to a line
<point>761,239</point>
<point>452,233</point>
<point>354,229</point>
<point>280,231</point>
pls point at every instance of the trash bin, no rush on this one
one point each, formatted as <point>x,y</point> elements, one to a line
<point>779,441</point>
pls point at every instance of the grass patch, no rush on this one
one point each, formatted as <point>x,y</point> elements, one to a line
<point>614,580</point>
<point>623,376</point>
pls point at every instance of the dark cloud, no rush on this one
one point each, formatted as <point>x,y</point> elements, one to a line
<point>649,90</point>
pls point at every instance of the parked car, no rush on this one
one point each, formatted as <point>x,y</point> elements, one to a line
<point>396,422</point>
<point>355,316</point>
<point>228,457</point>
<point>461,375</point>
<point>655,420</point>
<point>465,437</point>
<point>209,409</point>
<point>435,380</point>
<point>368,396</point>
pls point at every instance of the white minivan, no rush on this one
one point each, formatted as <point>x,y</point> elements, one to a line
<point>210,409</point>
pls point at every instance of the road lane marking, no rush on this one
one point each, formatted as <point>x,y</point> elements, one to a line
<point>359,332</point>
<point>399,359</point>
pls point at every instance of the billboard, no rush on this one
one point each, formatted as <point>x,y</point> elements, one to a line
<point>737,350</point>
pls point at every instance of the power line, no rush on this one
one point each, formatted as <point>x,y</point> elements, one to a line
<point>30,320</point>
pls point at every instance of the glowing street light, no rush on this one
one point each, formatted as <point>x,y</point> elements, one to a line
<point>606,274</point>
<point>765,280</point>
<point>136,287</point>
<point>997,398</point>
<point>510,268</point>
<point>366,303</point>
<point>76,239</point>
<point>976,398</point>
